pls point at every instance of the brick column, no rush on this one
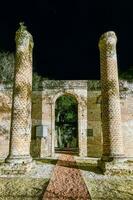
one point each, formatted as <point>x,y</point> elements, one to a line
<point>20,135</point>
<point>111,113</point>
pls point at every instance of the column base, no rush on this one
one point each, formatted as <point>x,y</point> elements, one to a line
<point>18,159</point>
<point>114,158</point>
<point>12,169</point>
<point>15,165</point>
<point>82,154</point>
<point>118,165</point>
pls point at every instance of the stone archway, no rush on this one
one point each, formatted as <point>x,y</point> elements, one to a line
<point>82,123</point>
<point>66,124</point>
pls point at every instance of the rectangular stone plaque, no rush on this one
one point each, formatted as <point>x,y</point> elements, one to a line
<point>89,132</point>
<point>42,131</point>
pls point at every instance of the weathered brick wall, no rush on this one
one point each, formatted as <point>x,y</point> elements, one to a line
<point>42,108</point>
<point>127,125</point>
<point>54,89</point>
<point>127,118</point>
<point>94,139</point>
<point>36,120</point>
<point>5,119</point>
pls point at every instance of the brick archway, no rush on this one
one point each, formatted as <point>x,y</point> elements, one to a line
<point>82,122</point>
<point>66,124</point>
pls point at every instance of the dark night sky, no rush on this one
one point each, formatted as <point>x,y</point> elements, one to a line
<point>66,34</point>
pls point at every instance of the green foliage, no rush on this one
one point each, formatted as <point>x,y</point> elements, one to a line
<point>94,85</point>
<point>127,75</point>
<point>66,121</point>
<point>66,109</point>
<point>7,62</point>
<point>36,80</point>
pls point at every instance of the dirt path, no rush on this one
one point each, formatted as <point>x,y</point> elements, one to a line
<point>66,182</point>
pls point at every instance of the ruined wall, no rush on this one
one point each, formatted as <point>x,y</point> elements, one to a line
<point>127,116</point>
<point>5,119</point>
<point>51,90</point>
<point>36,120</point>
<point>43,114</point>
<point>94,135</point>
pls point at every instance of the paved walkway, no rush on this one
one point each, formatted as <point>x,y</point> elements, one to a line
<point>66,182</point>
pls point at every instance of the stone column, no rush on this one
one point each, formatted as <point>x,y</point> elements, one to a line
<point>20,135</point>
<point>111,113</point>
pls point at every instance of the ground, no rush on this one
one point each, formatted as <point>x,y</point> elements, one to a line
<point>66,179</point>
<point>108,187</point>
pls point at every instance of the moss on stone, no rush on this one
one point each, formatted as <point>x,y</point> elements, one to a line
<point>22,188</point>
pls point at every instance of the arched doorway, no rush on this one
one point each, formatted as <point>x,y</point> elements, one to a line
<point>66,124</point>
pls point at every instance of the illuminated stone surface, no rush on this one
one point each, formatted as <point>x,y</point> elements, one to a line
<point>66,181</point>
<point>20,133</point>
<point>111,111</point>
<point>24,141</point>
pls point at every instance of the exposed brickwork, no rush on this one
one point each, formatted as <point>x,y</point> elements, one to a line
<point>94,142</point>
<point>44,111</point>
<point>111,113</point>
<point>39,110</point>
<point>21,109</point>
<point>66,182</point>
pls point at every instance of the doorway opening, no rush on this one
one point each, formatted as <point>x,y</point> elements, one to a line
<point>66,124</point>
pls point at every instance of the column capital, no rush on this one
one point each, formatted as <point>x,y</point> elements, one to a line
<point>108,42</point>
<point>23,38</point>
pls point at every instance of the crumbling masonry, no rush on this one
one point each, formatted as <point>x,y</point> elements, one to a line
<point>20,135</point>
<point>106,143</point>
<point>111,112</point>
